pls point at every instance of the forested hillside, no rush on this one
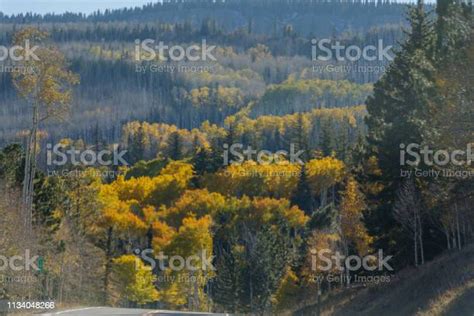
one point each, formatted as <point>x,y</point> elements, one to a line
<point>250,176</point>
<point>252,63</point>
<point>258,16</point>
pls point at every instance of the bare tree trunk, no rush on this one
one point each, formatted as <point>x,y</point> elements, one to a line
<point>415,236</point>
<point>33,171</point>
<point>30,170</point>
<point>454,240</point>
<point>448,241</point>
<point>61,280</point>
<point>346,253</point>
<point>468,232</point>
<point>324,197</point>
<point>464,230</point>
<point>26,179</point>
<point>333,194</point>
<point>420,237</point>
<point>108,255</point>
<point>251,296</point>
<point>318,305</point>
<point>196,293</point>
<point>458,231</point>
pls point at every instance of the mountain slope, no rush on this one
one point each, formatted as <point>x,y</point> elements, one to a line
<point>444,286</point>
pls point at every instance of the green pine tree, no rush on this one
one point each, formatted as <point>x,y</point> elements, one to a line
<point>326,141</point>
<point>302,196</point>
<point>397,115</point>
<point>175,146</point>
<point>137,145</point>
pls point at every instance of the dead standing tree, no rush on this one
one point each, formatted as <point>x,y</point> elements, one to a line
<point>407,212</point>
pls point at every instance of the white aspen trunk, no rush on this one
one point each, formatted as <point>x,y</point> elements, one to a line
<point>415,239</point>
<point>26,179</point>
<point>196,293</point>
<point>420,236</point>
<point>33,171</point>
<point>464,231</point>
<point>190,298</point>
<point>324,197</point>
<point>30,165</point>
<point>468,232</point>
<point>318,309</point>
<point>453,237</point>
<point>446,232</point>
<point>345,248</point>
<point>458,231</point>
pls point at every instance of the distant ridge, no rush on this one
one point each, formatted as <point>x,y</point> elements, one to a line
<point>259,16</point>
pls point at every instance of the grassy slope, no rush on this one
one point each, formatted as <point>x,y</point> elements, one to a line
<point>444,286</point>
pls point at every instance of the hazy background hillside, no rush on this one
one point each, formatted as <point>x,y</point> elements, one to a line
<point>321,17</point>
<point>259,44</point>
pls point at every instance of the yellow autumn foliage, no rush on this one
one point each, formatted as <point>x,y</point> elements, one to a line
<point>133,280</point>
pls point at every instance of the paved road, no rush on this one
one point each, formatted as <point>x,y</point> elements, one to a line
<point>106,311</point>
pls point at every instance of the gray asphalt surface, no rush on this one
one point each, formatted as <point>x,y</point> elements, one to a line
<point>105,311</point>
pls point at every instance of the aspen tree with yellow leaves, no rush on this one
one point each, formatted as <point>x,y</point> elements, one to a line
<point>134,281</point>
<point>45,83</point>
<point>352,231</point>
<point>185,286</point>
